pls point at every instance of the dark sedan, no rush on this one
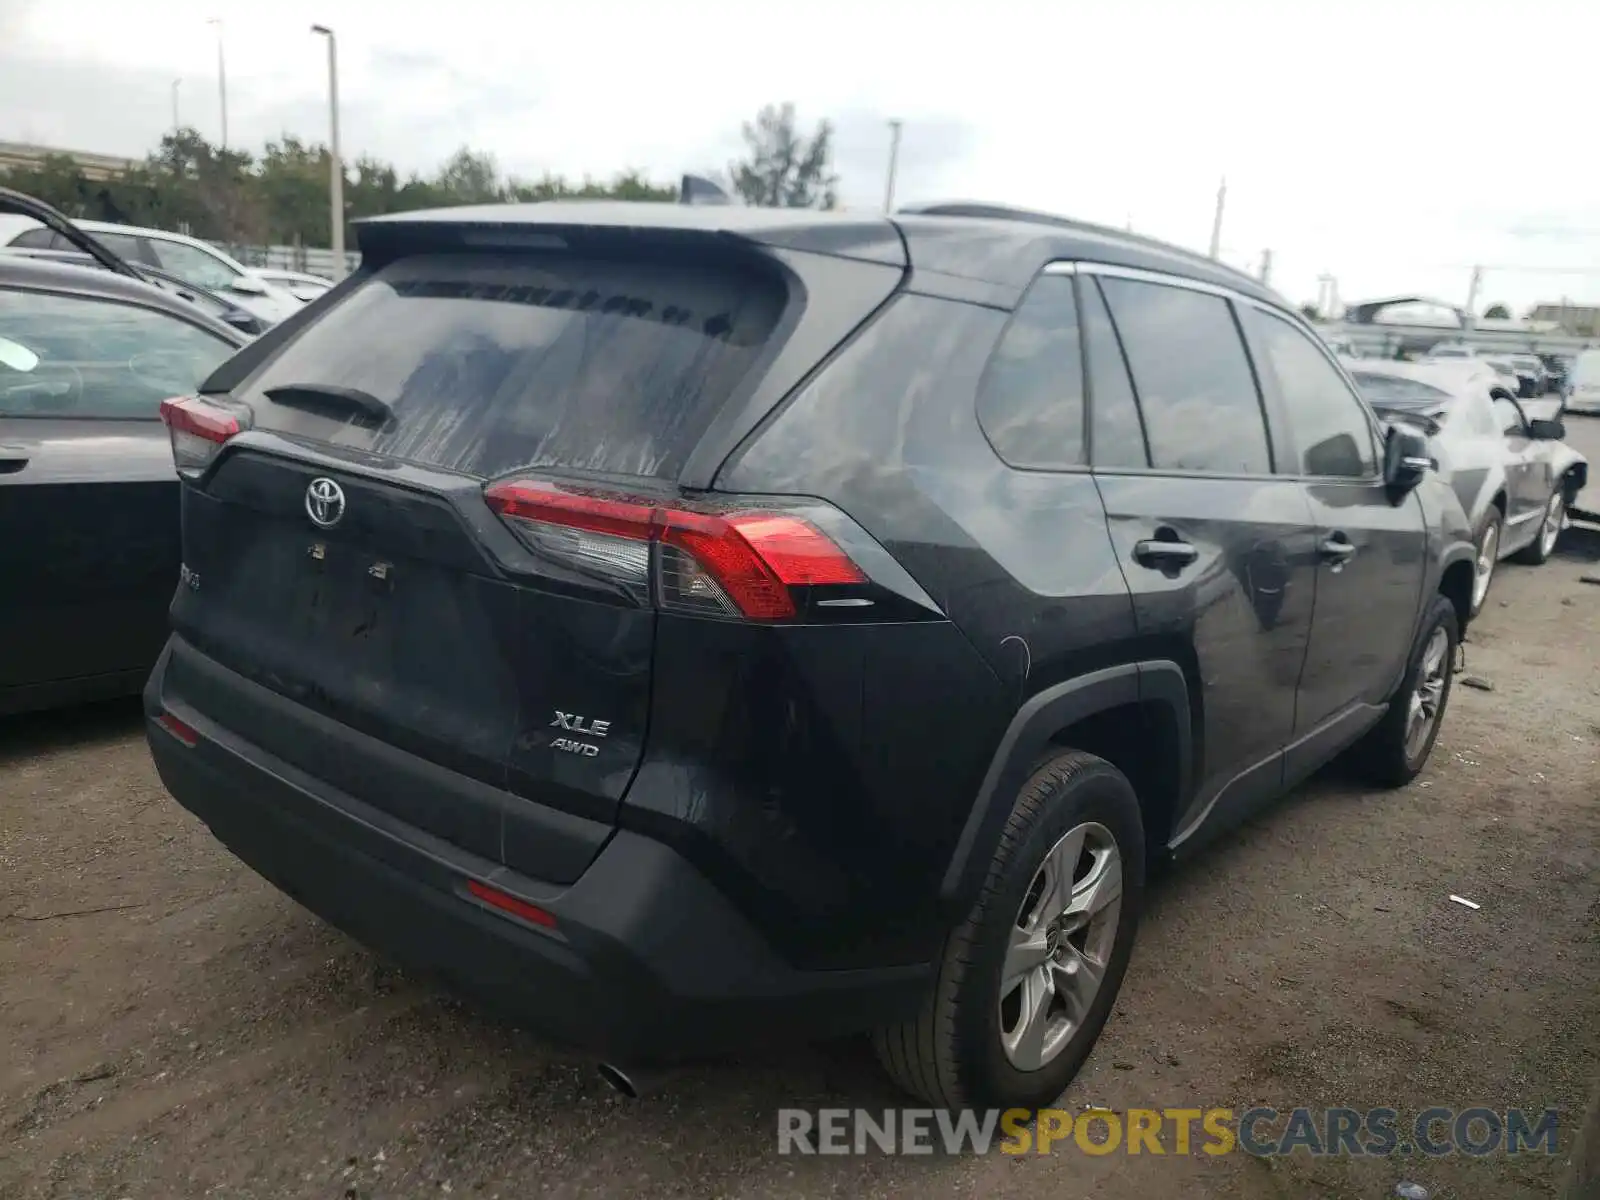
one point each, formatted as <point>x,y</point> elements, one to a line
<point>88,492</point>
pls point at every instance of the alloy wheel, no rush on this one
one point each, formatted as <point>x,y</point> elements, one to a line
<point>1061,946</point>
<point>1488,555</point>
<point>1554,516</point>
<point>1428,696</point>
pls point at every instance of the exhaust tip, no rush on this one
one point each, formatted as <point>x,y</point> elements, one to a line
<point>620,1081</point>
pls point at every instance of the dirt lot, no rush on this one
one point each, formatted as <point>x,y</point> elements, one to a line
<point>173,1027</point>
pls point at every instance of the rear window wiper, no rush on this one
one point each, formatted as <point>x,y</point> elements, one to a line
<point>331,396</point>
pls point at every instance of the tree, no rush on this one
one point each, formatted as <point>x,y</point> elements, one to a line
<point>189,185</point>
<point>1311,312</point>
<point>469,177</point>
<point>1497,312</point>
<point>782,168</point>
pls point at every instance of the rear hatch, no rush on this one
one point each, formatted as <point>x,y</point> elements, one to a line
<point>355,545</point>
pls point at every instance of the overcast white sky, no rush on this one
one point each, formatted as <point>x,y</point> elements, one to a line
<point>1392,145</point>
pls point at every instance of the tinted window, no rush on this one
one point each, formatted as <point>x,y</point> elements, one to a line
<point>193,265</point>
<point>1192,378</point>
<point>1332,436</point>
<point>124,245</point>
<point>493,365</point>
<point>35,239</point>
<point>99,358</point>
<point>1117,436</point>
<point>1031,400</point>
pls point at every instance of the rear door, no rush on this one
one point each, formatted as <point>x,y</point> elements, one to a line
<point>1216,549</point>
<point>88,496</point>
<point>1370,550</point>
<point>350,556</point>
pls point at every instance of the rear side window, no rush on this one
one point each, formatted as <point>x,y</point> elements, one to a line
<point>1193,379</point>
<point>124,245</point>
<point>1030,403</point>
<point>492,365</point>
<point>39,239</point>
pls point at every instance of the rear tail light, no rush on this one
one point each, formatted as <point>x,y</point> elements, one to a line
<point>742,563</point>
<point>198,428</point>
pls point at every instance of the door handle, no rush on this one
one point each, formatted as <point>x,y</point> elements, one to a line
<point>1153,553</point>
<point>12,459</point>
<point>1336,548</point>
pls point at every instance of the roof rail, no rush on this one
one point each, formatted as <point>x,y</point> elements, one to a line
<point>981,210</point>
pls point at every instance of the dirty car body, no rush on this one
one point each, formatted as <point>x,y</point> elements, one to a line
<point>651,617</point>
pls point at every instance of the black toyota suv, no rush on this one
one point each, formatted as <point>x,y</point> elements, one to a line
<point>683,625</point>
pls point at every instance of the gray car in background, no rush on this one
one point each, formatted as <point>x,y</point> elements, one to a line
<point>1512,472</point>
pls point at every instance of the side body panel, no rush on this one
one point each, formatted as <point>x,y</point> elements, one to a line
<point>1020,561</point>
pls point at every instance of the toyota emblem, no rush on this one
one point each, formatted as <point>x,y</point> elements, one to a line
<point>324,503</point>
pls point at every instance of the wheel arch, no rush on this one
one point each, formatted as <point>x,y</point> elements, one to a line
<point>1455,585</point>
<point>1136,715</point>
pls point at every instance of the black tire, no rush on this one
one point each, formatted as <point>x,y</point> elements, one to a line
<point>1537,552</point>
<point>1496,519</point>
<point>950,1054</point>
<point>1381,756</point>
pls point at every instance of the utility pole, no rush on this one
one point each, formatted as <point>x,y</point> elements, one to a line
<point>336,176</point>
<point>894,163</point>
<point>1472,296</point>
<point>1216,222</point>
<point>175,125</point>
<point>222,79</point>
<point>1266,268</point>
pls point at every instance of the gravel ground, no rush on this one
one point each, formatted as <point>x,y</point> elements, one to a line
<point>173,1027</point>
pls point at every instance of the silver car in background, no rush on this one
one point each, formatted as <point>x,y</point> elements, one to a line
<point>1514,475</point>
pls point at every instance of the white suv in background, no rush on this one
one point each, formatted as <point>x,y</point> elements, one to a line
<point>188,258</point>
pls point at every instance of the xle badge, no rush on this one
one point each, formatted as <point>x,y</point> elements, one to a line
<point>576,723</point>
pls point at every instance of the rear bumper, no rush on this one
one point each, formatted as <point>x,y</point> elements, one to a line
<point>648,961</point>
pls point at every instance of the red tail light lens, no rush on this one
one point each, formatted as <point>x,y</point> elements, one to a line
<point>184,732</point>
<point>736,564</point>
<point>514,905</point>
<point>198,429</point>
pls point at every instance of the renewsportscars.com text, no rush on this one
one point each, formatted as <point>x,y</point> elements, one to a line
<point>1263,1132</point>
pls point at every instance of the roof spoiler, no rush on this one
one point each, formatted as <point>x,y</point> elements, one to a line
<point>697,189</point>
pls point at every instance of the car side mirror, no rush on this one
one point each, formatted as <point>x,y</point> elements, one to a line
<point>1405,459</point>
<point>249,285</point>
<point>1547,431</point>
<point>242,321</point>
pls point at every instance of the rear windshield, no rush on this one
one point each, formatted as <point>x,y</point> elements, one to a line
<point>492,365</point>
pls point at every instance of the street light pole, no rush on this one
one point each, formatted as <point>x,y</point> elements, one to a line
<point>894,164</point>
<point>336,176</point>
<point>175,125</point>
<point>222,79</point>
<point>1216,220</point>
